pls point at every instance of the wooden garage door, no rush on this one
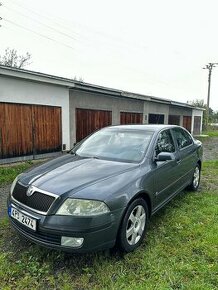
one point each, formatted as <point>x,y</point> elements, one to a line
<point>15,130</point>
<point>47,129</point>
<point>88,121</point>
<point>130,118</point>
<point>187,121</point>
<point>29,129</point>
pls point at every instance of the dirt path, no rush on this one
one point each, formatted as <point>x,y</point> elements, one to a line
<point>210,146</point>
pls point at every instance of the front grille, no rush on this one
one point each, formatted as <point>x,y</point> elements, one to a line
<point>38,200</point>
<point>39,236</point>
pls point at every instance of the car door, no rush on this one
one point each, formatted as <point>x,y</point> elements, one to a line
<point>166,173</point>
<point>187,153</point>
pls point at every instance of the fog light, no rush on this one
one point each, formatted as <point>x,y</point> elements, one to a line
<point>71,242</point>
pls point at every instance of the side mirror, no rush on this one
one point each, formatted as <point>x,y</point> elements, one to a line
<point>165,156</point>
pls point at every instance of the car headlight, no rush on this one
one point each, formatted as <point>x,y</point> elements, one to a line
<point>82,207</point>
<point>14,183</point>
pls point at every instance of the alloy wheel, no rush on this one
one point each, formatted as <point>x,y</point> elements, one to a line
<point>135,225</point>
<point>196,177</point>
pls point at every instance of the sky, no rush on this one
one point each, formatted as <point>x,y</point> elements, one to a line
<point>156,48</point>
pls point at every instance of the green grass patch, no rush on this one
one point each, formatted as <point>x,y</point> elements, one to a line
<point>8,173</point>
<point>211,165</point>
<point>212,133</point>
<point>209,180</point>
<point>179,253</point>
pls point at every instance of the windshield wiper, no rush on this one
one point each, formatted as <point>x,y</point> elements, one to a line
<point>86,156</point>
<point>94,157</point>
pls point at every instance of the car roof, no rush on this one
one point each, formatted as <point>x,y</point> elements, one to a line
<point>150,127</point>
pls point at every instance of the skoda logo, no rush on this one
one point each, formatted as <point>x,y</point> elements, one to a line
<point>30,191</point>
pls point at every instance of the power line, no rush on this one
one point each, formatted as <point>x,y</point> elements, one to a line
<point>40,15</point>
<point>42,35</point>
<point>106,37</point>
<point>41,23</point>
<point>50,18</point>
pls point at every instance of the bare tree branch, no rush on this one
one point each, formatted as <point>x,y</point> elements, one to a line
<point>12,59</point>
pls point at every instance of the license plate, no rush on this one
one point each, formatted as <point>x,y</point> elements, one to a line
<point>22,218</point>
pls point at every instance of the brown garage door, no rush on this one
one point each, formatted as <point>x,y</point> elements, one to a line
<point>130,118</point>
<point>88,121</point>
<point>187,121</point>
<point>29,129</point>
<point>47,133</point>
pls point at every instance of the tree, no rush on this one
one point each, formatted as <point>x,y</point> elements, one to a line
<point>79,79</point>
<point>12,59</point>
<point>213,116</point>
<point>197,103</point>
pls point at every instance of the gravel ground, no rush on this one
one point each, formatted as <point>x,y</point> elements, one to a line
<point>210,146</point>
<point>4,190</point>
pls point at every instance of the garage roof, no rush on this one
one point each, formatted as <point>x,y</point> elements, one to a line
<point>73,84</point>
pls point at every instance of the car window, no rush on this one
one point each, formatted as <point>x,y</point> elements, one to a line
<point>116,144</point>
<point>183,138</point>
<point>164,143</point>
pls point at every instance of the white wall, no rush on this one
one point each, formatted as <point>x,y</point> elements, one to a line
<point>14,90</point>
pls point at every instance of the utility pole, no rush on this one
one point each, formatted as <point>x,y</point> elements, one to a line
<point>210,67</point>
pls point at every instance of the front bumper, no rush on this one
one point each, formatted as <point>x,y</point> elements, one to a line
<point>98,232</point>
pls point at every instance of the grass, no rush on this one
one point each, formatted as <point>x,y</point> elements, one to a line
<point>179,253</point>
<point>8,173</point>
<point>211,133</point>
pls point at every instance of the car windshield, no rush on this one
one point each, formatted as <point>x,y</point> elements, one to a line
<point>116,144</point>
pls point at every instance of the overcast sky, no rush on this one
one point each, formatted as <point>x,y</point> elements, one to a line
<point>155,47</point>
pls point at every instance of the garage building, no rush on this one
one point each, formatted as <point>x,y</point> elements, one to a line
<point>44,114</point>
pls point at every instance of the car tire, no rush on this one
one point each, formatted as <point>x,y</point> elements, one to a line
<point>195,179</point>
<point>133,226</point>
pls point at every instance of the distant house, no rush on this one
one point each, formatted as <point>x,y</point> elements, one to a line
<point>44,114</point>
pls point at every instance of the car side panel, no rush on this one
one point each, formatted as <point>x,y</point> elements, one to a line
<point>188,160</point>
<point>166,176</point>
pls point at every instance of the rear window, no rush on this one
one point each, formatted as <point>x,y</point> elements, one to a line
<point>183,138</point>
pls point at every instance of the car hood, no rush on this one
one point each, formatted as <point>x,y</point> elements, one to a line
<point>74,175</point>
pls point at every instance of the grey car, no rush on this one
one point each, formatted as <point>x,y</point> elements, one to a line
<point>104,191</point>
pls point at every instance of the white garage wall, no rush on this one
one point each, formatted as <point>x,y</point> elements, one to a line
<point>14,90</point>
